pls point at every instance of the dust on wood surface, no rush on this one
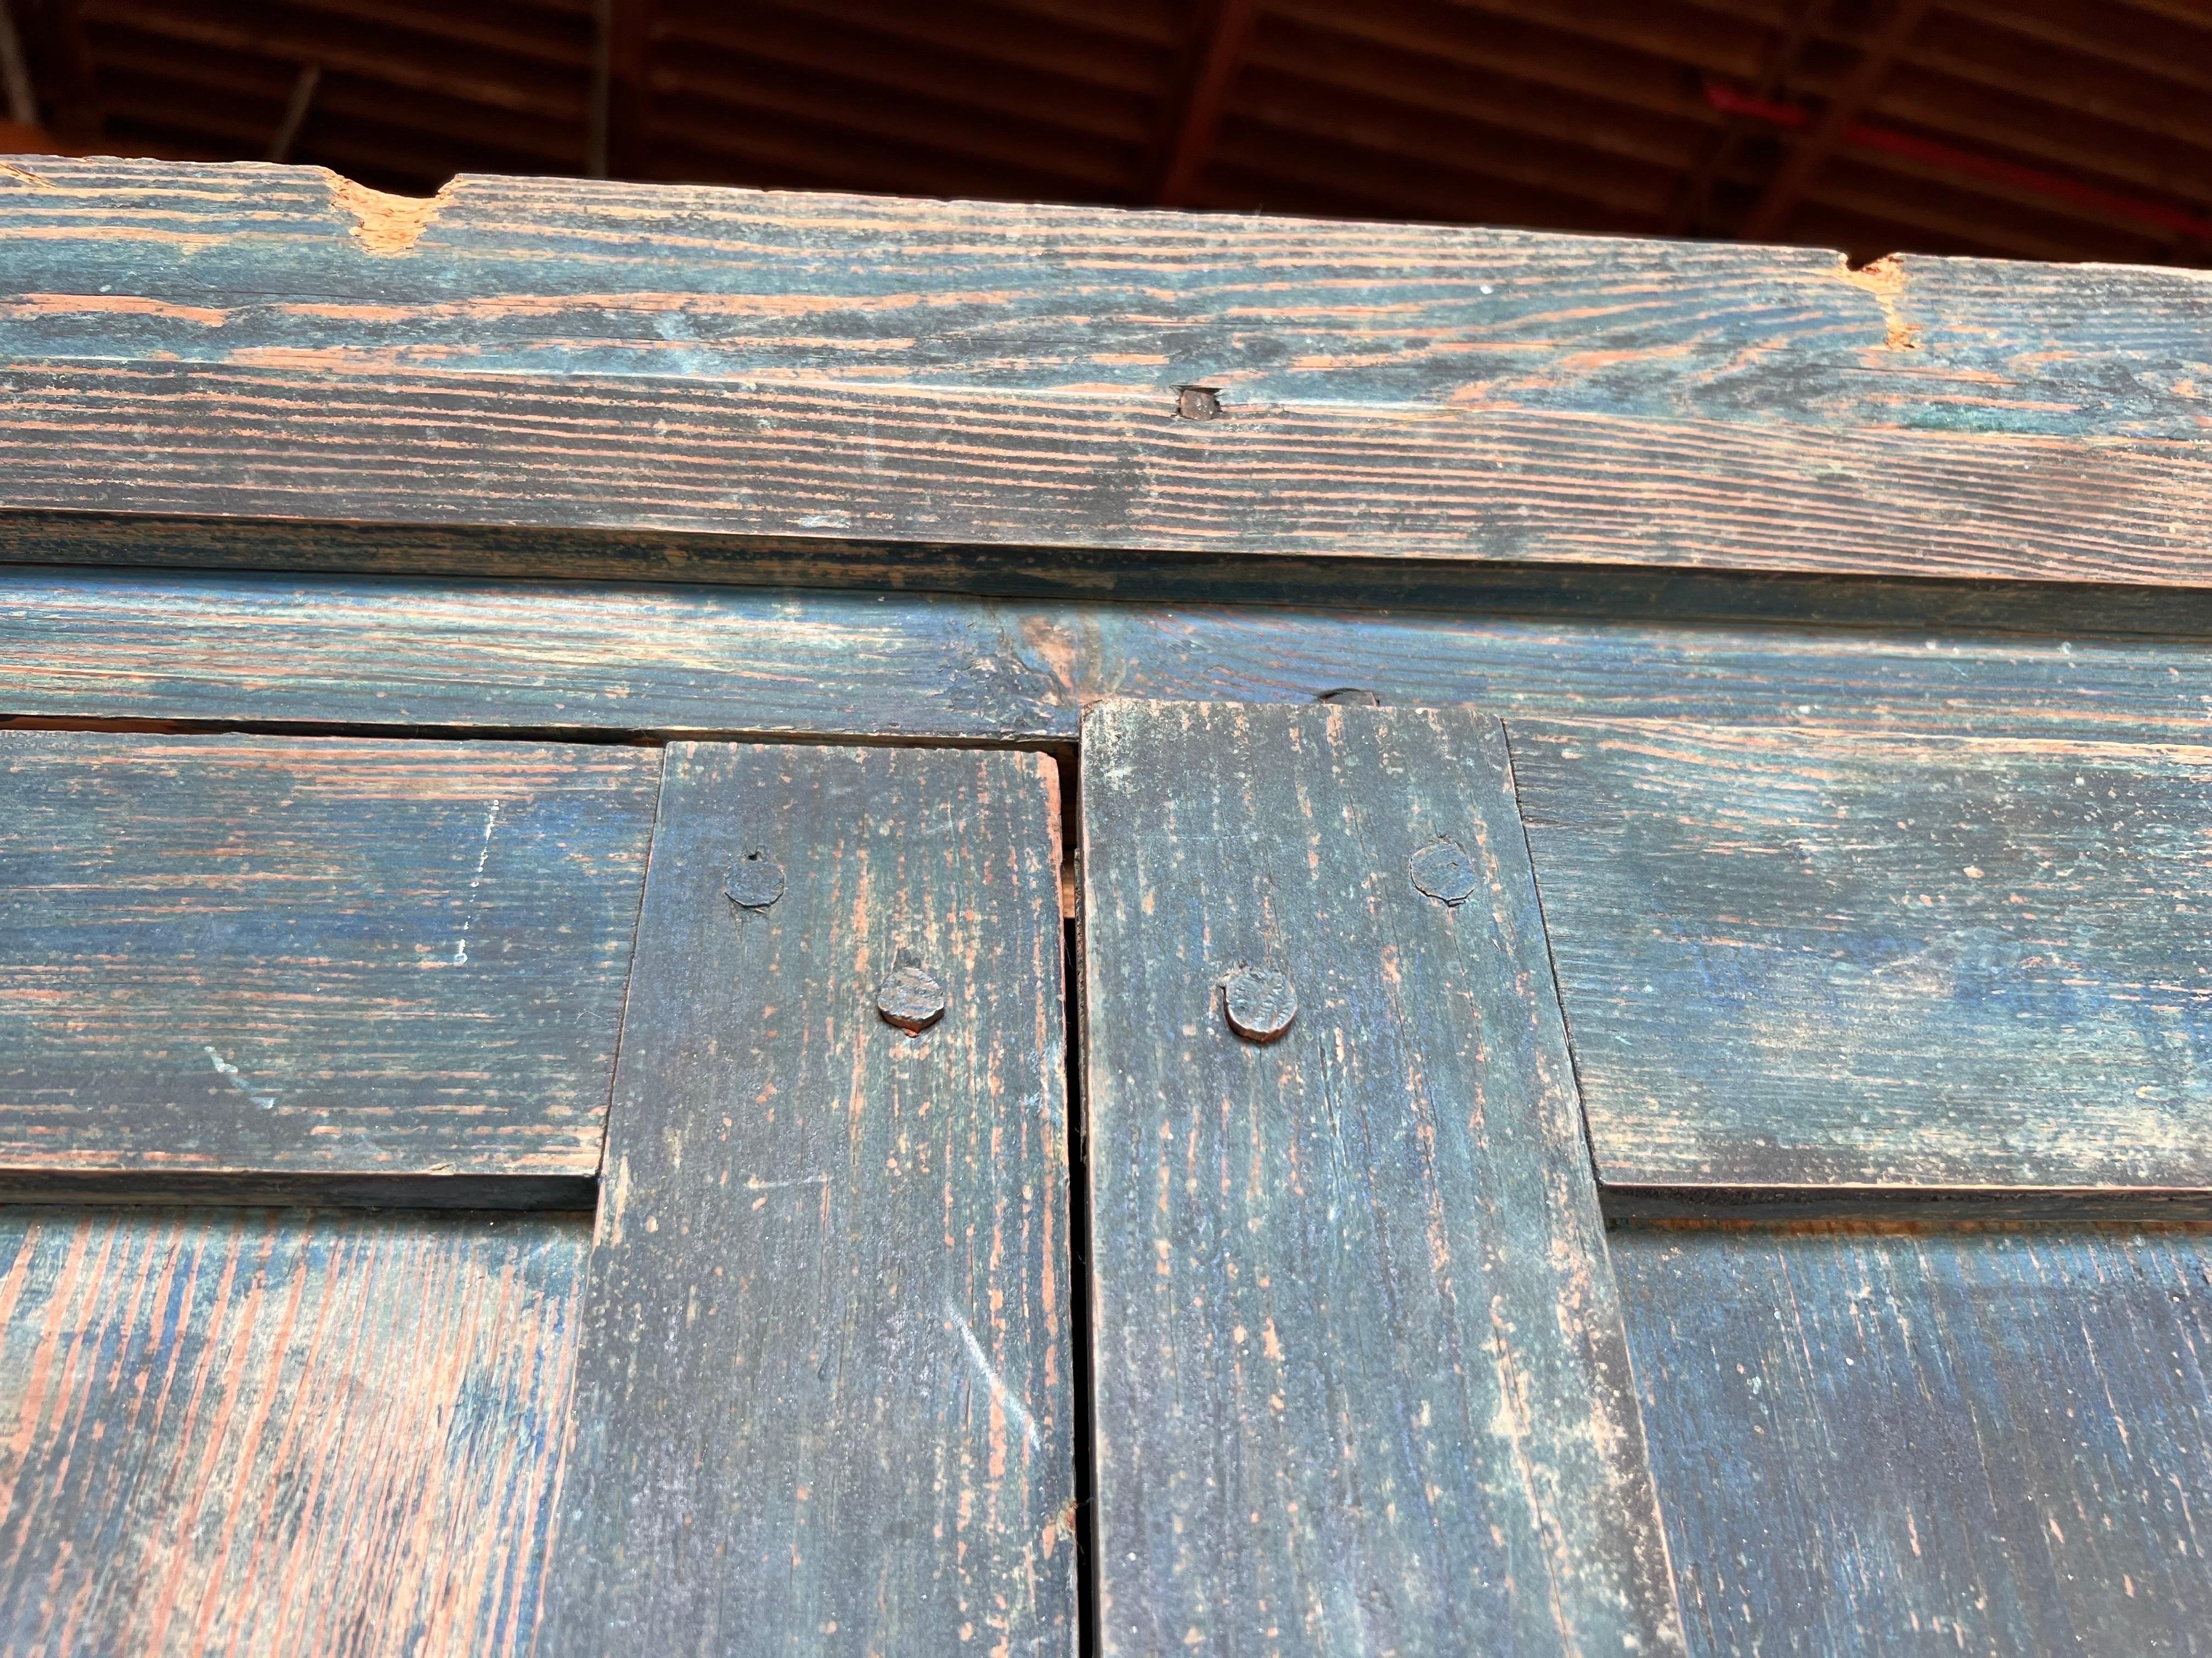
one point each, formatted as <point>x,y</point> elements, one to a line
<point>278,1431</point>
<point>313,955</point>
<point>1361,1380</point>
<point>1808,958</point>
<point>826,1396</point>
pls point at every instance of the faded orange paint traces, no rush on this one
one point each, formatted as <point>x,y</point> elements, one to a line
<point>387,224</point>
<point>1885,279</point>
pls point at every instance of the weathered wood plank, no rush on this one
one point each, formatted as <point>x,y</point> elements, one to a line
<point>824,1403</point>
<point>1983,1442</point>
<point>1834,958</point>
<point>487,656</point>
<point>1361,1383</point>
<point>683,661</point>
<point>254,265</point>
<point>1080,469</point>
<point>313,956</point>
<point>273,343</point>
<point>279,1432</point>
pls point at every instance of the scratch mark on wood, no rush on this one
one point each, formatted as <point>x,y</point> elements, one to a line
<point>230,1074</point>
<point>461,944</point>
<point>999,1391</point>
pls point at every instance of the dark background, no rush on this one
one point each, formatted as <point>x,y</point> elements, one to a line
<point>2039,129</point>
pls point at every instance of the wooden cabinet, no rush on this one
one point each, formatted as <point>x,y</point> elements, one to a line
<point>713,941</point>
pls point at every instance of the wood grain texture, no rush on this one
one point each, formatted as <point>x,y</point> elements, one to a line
<point>825,1399</point>
<point>271,342</point>
<point>1360,1379</point>
<point>279,1432</point>
<point>1974,961</point>
<point>683,661</point>
<point>1878,1441</point>
<point>306,956</point>
<point>481,656</point>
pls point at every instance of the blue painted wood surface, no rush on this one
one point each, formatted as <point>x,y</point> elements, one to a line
<point>1830,958</point>
<point>825,1399</point>
<point>1359,1375</point>
<point>600,659</point>
<point>280,1432</point>
<point>313,956</point>
<point>273,343</point>
<point>1873,1441</point>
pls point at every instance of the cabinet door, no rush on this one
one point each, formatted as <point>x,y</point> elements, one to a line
<point>811,1374</point>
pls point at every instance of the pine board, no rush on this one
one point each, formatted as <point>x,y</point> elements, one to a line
<point>826,1394</point>
<point>275,1432</point>
<point>1830,958</point>
<point>1361,1383</point>
<point>313,956</point>
<point>1986,1441</point>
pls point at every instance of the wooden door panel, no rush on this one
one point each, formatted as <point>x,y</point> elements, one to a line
<point>1361,1383</point>
<point>259,955</point>
<point>1800,958</point>
<point>264,1432</point>
<point>1874,1440</point>
<point>824,1403</point>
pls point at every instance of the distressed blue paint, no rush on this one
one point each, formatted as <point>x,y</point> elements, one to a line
<point>1881,1440</point>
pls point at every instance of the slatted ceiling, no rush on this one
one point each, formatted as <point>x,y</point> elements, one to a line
<point>968,85</point>
<point>1028,154</point>
<point>1590,117</point>
<point>1436,101</point>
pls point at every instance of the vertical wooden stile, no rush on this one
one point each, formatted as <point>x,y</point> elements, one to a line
<point>1362,1381</point>
<point>824,1401</point>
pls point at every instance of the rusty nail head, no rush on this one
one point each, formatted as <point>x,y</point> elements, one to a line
<point>1260,1005</point>
<point>912,997</point>
<point>755,881</point>
<point>1443,870</point>
<point>1198,402</point>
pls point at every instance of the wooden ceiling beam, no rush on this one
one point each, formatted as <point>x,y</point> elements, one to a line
<point>1403,187</point>
<point>2170,51</point>
<point>1540,57</point>
<point>1056,166</point>
<point>998,41</point>
<point>1390,134</point>
<point>879,63</point>
<point>544,42</point>
<point>1196,123</point>
<point>1804,158</point>
<point>57,47</point>
<point>1600,125</point>
<point>188,88</point>
<point>416,65</point>
<point>815,154</point>
<point>2098,150</point>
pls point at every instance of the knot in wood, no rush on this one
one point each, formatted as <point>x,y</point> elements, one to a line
<point>1198,402</point>
<point>912,997</point>
<point>1443,870</point>
<point>755,881</point>
<point>1260,1005</point>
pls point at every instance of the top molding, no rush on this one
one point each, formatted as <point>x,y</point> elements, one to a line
<point>273,343</point>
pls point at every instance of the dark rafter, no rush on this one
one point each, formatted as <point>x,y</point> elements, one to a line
<point>1803,159</point>
<point>1199,120</point>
